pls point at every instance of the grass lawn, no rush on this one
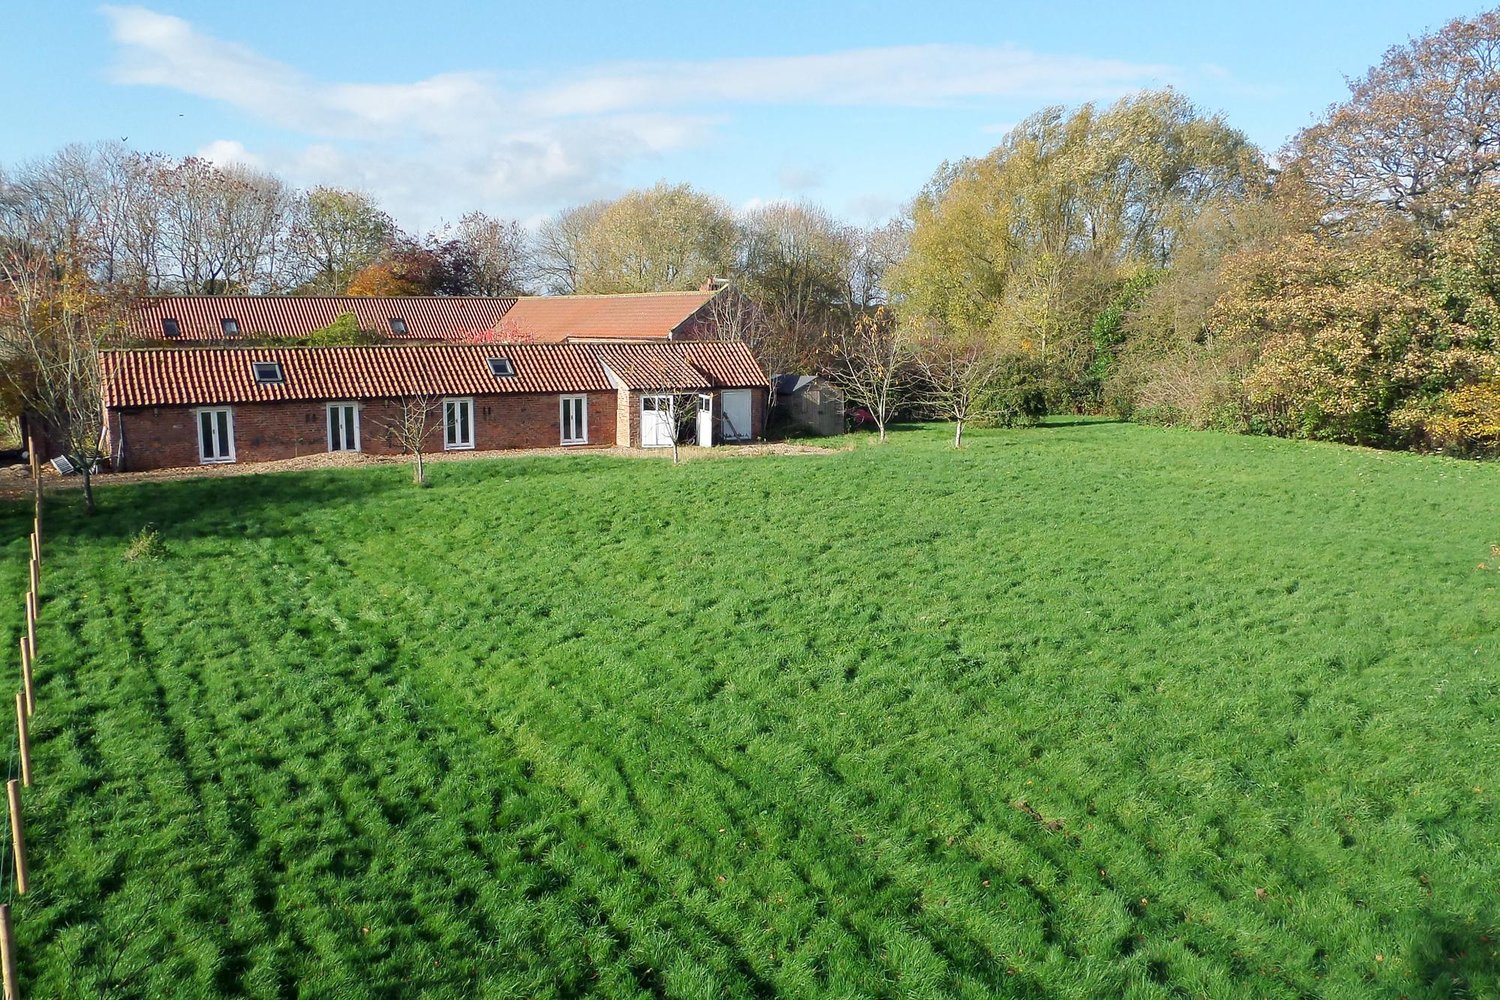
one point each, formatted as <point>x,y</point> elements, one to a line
<point>1090,710</point>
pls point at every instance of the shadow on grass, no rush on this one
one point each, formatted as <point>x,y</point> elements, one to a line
<point>1078,421</point>
<point>1460,958</point>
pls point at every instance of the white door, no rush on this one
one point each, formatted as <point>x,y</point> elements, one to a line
<point>705,421</point>
<point>458,423</point>
<point>215,436</point>
<point>734,415</point>
<point>656,421</point>
<point>575,419</point>
<point>343,427</point>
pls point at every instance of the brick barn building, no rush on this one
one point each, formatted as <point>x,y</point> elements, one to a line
<point>167,407</point>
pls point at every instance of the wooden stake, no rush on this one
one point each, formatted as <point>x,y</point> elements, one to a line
<point>24,740</point>
<point>31,623</point>
<point>36,577</point>
<point>17,835</point>
<point>8,955</point>
<point>26,678</point>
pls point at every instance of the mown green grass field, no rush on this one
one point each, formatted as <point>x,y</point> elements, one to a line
<point>1088,710</point>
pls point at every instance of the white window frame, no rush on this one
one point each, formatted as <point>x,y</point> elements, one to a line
<point>562,419</point>
<point>328,423</point>
<point>198,414</point>
<point>449,445</point>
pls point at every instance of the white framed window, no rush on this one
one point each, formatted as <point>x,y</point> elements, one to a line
<point>575,419</point>
<point>343,427</point>
<point>458,424</point>
<point>215,436</point>
<point>230,326</point>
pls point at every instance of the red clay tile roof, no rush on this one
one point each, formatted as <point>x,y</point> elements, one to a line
<point>219,375</point>
<point>208,376</point>
<point>427,317</point>
<point>688,364</point>
<point>541,319</point>
<point>549,319</point>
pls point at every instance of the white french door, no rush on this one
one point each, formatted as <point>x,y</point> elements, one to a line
<point>458,424</point>
<point>343,427</point>
<point>575,419</point>
<point>215,436</point>
<point>656,421</point>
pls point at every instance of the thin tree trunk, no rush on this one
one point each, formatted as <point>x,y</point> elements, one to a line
<point>958,433</point>
<point>88,487</point>
<point>421,476</point>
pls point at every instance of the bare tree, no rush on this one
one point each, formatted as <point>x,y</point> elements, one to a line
<point>872,364</point>
<point>335,233</point>
<point>51,331</point>
<point>222,229</point>
<point>410,427</point>
<point>956,378</point>
<point>562,253</point>
<point>681,408</point>
<point>876,251</point>
<point>732,315</point>
<point>495,253</point>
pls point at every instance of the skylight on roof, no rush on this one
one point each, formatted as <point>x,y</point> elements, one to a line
<point>501,367</point>
<point>170,327</point>
<point>230,326</point>
<point>267,372</point>
<point>398,326</point>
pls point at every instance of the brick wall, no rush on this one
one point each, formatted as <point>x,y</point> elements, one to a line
<point>167,437</point>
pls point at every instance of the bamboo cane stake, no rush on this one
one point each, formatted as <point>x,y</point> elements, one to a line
<point>26,678</point>
<point>8,955</point>
<point>24,739</point>
<point>17,834</point>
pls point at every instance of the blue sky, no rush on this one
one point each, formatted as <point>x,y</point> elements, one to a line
<point>438,107</point>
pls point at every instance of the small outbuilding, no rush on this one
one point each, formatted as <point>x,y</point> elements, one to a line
<point>810,402</point>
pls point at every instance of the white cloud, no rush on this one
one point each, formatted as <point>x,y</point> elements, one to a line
<point>436,146</point>
<point>225,152</point>
<point>897,76</point>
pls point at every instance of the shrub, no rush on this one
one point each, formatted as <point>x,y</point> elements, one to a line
<point>1018,396</point>
<point>1462,421</point>
<point>342,332</point>
<point>146,546</point>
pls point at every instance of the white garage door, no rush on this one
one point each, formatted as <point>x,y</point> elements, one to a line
<point>656,421</point>
<point>734,415</point>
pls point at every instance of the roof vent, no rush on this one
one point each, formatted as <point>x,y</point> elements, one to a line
<point>502,368</point>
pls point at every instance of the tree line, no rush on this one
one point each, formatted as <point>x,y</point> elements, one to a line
<point>1143,259</point>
